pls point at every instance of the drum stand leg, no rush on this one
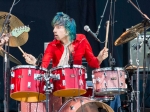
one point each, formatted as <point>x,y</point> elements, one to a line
<point>48,91</point>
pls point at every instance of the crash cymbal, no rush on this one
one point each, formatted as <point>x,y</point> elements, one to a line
<point>133,67</point>
<point>132,33</point>
<point>14,23</point>
<point>11,58</point>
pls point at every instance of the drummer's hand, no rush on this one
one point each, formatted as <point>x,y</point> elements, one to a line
<point>4,39</point>
<point>29,59</point>
<point>103,54</point>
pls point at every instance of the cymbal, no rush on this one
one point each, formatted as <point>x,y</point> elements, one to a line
<point>133,67</point>
<point>132,33</point>
<point>13,59</point>
<point>14,23</point>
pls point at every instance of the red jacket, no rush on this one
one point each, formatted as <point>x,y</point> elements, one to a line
<point>81,46</point>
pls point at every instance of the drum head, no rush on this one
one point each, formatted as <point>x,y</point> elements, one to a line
<point>84,104</point>
<point>95,107</point>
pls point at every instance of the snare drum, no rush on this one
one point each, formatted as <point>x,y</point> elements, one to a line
<point>90,93</point>
<point>84,104</point>
<point>109,82</point>
<point>71,81</point>
<point>25,84</point>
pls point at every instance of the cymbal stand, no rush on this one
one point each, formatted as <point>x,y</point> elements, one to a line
<point>144,60</point>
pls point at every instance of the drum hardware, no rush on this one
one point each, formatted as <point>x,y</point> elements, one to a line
<point>55,77</point>
<point>48,89</point>
<point>105,74</point>
<point>38,76</point>
<point>63,72</point>
<point>29,84</point>
<point>29,72</point>
<point>63,82</point>
<point>12,86</point>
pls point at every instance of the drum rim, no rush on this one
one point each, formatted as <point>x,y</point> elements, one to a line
<point>107,68</point>
<point>86,98</point>
<point>27,66</point>
<point>67,66</point>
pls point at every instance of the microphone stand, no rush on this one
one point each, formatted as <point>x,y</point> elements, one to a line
<point>144,61</point>
<point>6,64</point>
<point>99,26</point>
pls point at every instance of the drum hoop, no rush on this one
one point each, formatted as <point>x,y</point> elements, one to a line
<point>27,66</point>
<point>106,69</point>
<point>67,66</point>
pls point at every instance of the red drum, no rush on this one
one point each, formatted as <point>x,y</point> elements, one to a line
<point>90,93</point>
<point>84,104</point>
<point>109,82</point>
<point>25,84</point>
<point>71,81</point>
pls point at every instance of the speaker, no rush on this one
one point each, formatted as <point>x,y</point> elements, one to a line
<point>132,49</point>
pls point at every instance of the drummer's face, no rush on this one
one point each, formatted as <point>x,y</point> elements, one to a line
<point>59,32</point>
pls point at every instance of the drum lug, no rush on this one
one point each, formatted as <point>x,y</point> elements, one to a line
<point>29,84</point>
<point>86,75</point>
<point>94,81</point>
<point>80,82</point>
<point>72,107</point>
<point>93,76</point>
<point>98,80</point>
<point>12,86</point>
<point>125,76</point>
<point>105,84</point>
<point>63,72</point>
<point>80,71</point>
<point>29,72</point>
<point>120,74</point>
<point>121,84</point>
<point>105,74</point>
<point>63,82</point>
<point>12,74</point>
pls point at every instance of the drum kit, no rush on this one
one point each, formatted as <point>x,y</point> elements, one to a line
<point>40,88</point>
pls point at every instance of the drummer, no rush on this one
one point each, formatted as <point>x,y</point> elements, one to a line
<point>67,44</point>
<point>67,48</point>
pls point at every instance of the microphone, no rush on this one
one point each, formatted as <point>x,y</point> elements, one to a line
<point>86,28</point>
<point>39,61</point>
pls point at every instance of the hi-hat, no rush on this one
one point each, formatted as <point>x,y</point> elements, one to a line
<point>11,58</point>
<point>14,23</point>
<point>132,33</point>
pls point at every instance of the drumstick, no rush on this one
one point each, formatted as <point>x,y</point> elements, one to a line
<point>107,31</point>
<point>21,49</point>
